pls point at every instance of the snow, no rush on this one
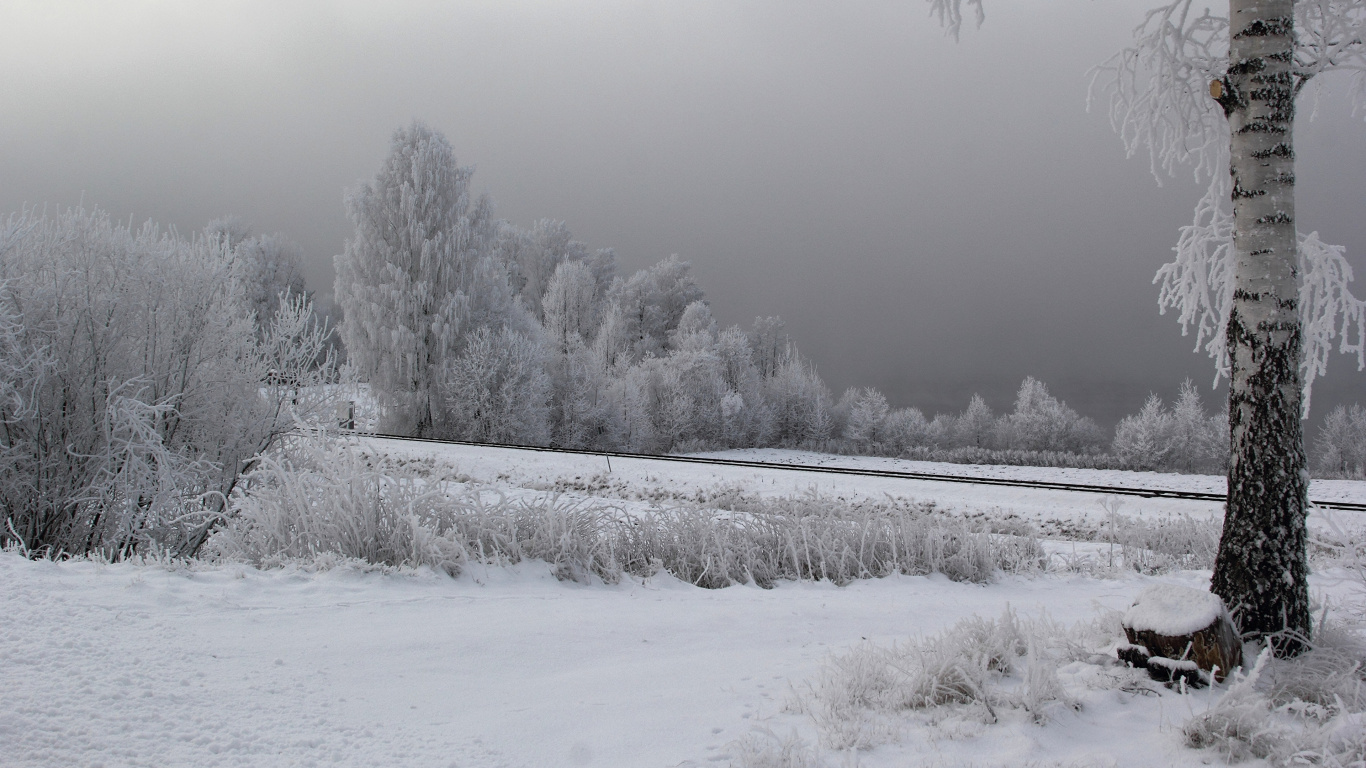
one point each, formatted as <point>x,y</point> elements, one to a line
<point>1173,610</point>
<point>224,665</point>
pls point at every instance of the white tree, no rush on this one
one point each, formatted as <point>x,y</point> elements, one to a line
<point>976,425</point>
<point>570,306</point>
<point>405,277</point>
<point>1266,301</point>
<point>650,303</point>
<point>1198,441</point>
<point>1341,443</point>
<point>799,401</point>
<point>1143,441</point>
<point>497,391</point>
<point>868,411</point>
<point>770,343</point>
<point>1198,88</point>
<point>267,267</point>
<point>1041,422</point>
<point>136,388</point>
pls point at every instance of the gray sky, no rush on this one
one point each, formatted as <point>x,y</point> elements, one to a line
<point>930,218</point>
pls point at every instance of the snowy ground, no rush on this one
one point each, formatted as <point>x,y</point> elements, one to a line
<point>127,665</point>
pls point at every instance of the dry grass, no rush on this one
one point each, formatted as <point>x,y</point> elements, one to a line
<point>319,496</point>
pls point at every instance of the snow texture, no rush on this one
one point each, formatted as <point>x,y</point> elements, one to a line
<point>1173,610</point>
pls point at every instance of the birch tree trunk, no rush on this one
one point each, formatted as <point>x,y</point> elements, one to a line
<point>1261,567</point>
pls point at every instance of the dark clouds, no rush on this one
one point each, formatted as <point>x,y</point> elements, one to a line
<point>930,218</point>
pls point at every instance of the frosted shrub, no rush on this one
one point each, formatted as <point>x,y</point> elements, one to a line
<point>1176,543</point>
<point>1308,710</point>
<point>980,666</point>
<point>313,497</point>
<point>766,749</point>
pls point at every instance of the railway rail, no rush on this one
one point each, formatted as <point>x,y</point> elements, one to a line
<point>1117,490</point>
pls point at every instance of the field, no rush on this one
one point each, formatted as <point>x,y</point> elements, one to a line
<point>337,662</point>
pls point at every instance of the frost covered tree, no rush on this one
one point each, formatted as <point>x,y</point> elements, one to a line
<point>1041,422</point>
<point>570,306</point>
<point>976,425</point>
<point>1142,441</point>
<point>1267,301</point>
<point>649,304</point>
<point>770,342</point>
<point>867,416</point>
<point>267,267</point>
<point>136,388</point>
<point>497,391</point>
<point>1219,92</point>
<point>1341,443</point>
<point>406,276</point>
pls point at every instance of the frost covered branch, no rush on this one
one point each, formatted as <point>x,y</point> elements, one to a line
<point>950,14</point>
<point>1158,90</point>
<point>1198,284</point>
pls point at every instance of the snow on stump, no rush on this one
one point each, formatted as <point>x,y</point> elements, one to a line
<point>1184,631</point>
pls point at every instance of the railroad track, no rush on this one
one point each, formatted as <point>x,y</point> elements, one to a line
<point>1117,490</point>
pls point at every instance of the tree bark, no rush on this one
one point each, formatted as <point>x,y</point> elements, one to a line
<point>1261,568</point>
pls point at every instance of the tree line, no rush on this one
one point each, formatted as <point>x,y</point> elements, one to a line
<point>473,328</point>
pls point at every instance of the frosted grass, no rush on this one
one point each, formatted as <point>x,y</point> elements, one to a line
<point>317,499</point>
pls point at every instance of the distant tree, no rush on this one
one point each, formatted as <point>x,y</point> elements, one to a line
<point>531,257</point>
<point>696,328</point>
<point>868,411</point>
<point>770,342</point>
<point>1041,422</point>
<point>1198,440</point>
<point>800,403</point>
<point>1143,441</point>
<point>976,425</point>
<point>570,306</point>
<point>904,429</point>
<point>1341,443</point>
<point>405,277</point>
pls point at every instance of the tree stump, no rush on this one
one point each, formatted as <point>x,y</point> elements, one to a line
<point>1182,629</point>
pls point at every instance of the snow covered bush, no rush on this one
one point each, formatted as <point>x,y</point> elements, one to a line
<point>983,668</point>
<point>138,385</point>
<point>313,497</point>
<point>1340,450</point>
<point>1308,710</point>
<point>1171,544</point>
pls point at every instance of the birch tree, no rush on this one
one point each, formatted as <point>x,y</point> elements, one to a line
<point>1267,302</point>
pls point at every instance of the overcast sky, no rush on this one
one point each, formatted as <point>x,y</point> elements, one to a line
<point>932,218</point>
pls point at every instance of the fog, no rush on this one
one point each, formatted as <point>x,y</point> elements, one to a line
<point>930,217</point>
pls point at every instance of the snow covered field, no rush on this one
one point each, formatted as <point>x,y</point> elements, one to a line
<point>644,481</point>
<point>224,665</point>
